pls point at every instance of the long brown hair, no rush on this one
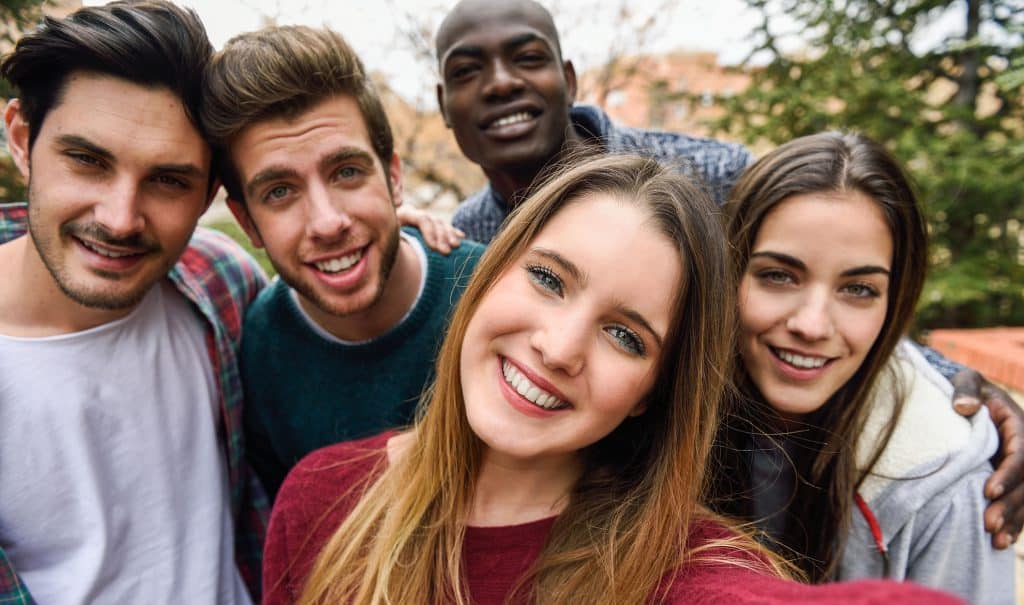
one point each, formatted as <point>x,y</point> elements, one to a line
<point>828,477</point>
<point>627,518</point>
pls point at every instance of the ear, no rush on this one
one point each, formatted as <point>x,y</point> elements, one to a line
<point>241,213</point>
<point>569,72</point>
<point>638,409</point>
<point>440,105</point>
<point>395,175</point>
<point>17,136</point>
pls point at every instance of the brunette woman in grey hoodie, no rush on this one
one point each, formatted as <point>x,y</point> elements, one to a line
<point>842,446</point>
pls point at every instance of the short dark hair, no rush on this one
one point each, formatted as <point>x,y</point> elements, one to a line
<point>283,72</point>
<point>153,43</point>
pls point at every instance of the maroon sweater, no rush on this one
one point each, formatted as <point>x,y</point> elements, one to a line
<point>324,487</point>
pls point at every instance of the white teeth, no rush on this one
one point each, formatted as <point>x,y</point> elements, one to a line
<point>337,265</point>
<point>800,361</point>
<point>105,252</point>
<point>515,118</point>
<point>531,392</point>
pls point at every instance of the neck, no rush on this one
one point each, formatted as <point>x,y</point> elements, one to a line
<point>514,184</point>
<point>511,492</point>
<point>32,305</point>
<point>395,301</point>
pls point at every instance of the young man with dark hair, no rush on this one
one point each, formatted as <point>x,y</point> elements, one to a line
<point>343,344</point>
<point>120,449</point>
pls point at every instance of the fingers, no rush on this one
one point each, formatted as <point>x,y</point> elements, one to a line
<point>1009,459</point>
<point>967,385</point>
<point>1004,517</point>
<point>437,233</point>
<point>1003,524</point>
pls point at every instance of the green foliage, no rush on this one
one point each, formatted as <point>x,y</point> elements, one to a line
<point>232,230</point>
<point>953,113</point>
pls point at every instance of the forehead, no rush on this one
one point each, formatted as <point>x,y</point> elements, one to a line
<point>133,122</point>
<point>494,25</point>
<point>328,126</point>
<point>844,226</point>
<point>628,261</point>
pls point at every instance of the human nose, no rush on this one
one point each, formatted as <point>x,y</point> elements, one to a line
<point>503,82</point>
<point>561,341</point>
<point>119,212</point>
<point>326,217</point>
<point>812,319</point>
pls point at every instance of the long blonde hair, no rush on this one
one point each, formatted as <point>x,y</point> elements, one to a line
<point>627,520</point>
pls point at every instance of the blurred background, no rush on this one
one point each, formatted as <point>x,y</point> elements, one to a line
<point>939,82</point>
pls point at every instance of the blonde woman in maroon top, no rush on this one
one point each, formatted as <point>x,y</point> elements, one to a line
<point>559,457</point>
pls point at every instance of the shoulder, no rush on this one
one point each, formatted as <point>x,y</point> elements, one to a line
<point>267,306</point>
<point>932,447</point>
<point>323,472</point>
<point>216,273</point>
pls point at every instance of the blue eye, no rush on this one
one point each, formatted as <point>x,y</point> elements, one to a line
<point>545,278</point>
<point>627,340</point>
<point>277,192</point>
<point>348,172</point>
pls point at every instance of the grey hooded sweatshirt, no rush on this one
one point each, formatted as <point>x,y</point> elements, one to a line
<point>926,490</point>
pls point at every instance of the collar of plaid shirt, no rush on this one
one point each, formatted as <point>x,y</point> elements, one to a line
<point>221,280</point>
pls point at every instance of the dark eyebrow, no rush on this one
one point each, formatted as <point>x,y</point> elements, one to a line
<point>345,154</point>
<point>785,259</point>
<point>272,173</point>
<point>798,264</point>
<point>581,278</point>
<point>474,51</point>
<point>865,270</point>
<point>73,140</point>
<point>185,170</point>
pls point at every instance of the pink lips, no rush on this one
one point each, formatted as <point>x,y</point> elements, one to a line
<point>795,373</point>
<point>522,404</point>
<point>106,263</point>
<point>345,280</point>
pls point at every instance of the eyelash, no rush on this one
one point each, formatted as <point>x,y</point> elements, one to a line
<point>545,278</point>
<point>628,340</point>
<point>772,277</point>
<point>867,290</point>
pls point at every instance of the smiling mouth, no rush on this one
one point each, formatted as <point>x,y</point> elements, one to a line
<point>519,117</point>
<point>802,362</point>
<point>528,390</point>
<point>339,264</point>
<point>107,252</point>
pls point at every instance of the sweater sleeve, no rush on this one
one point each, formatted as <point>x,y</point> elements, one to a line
<point>736,585</point>
<point>951,550</point>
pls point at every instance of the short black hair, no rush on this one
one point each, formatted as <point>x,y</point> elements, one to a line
<point>153,43</point>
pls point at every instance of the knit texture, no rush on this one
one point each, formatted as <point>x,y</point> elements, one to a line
<point>304,391</point>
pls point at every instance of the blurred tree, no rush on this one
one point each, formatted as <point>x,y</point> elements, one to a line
<point>951,110</point>
<point>16,17</point>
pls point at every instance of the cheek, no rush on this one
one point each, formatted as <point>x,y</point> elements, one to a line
<point>866,328</point>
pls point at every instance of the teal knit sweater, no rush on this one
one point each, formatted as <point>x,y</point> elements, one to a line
<point>303,392</point>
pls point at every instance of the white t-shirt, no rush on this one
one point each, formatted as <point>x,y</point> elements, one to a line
<point>113,484</point>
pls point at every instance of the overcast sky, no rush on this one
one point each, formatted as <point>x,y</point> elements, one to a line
<point>589,28</point>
